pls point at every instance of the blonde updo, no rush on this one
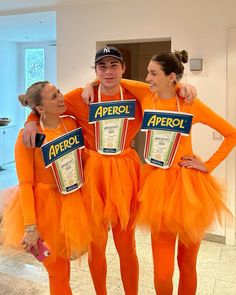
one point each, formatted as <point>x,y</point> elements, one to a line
<point>32,97</point>
<point>22,100</point>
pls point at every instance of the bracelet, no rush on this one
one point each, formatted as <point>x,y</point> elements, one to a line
<point>30,228</point>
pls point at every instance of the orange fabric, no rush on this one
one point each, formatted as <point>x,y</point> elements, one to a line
<point>202,114</point>
<point>125,245</point>
<point>163,249</point>
<point>80,111</point>
<point>111,182</point>
<point>59,276</point>
<point>61,220</point>
<point>110,192</point>
<point>111,187</point>
<point>186,200</point>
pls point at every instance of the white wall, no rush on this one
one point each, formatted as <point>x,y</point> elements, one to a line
<point>8,79</point>
<point>200,27</point>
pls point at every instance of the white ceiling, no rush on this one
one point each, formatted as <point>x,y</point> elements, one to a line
<point>18,26</point>
<point>28,27</point>
<point>8,5</point>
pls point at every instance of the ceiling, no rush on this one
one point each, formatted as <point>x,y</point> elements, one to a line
<point>29,27</point>
<point>18,26</point>
<point>9,5</point>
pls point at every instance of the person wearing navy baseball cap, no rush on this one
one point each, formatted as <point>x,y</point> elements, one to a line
<point>110,190</point>
<point>108,51</point>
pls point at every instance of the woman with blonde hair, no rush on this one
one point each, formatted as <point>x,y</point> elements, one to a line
<point>39,211</point>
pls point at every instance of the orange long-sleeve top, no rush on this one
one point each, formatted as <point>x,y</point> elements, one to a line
<point>77,108</point>
<point>202,114</point>
<point>30,170</point>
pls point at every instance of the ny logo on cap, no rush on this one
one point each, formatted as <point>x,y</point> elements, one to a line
<point>106,50</point>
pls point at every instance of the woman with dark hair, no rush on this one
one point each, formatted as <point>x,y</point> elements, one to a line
<point>182,200</point>
<point>39,212</point>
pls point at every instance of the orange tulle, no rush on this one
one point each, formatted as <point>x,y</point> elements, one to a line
<point>61,219</point>
<point>6,196</point>
<point>111,188</point>
<point>62,222</point>
<point>184,201</point>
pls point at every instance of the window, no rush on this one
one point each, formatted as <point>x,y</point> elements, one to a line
<point>34,67</point>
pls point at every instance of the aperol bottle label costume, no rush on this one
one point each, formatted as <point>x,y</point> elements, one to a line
<point>63,154</point>
<point>111,123</point>
<point>163,132</point>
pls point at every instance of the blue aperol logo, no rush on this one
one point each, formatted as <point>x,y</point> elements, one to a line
<point>62,145</point>
<point>112,110</point>
<point>168,121</point>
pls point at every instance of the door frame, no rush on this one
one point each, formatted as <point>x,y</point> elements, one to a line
<point>230,233</point>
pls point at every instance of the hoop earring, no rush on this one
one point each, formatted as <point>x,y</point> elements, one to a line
<point>42,116</point>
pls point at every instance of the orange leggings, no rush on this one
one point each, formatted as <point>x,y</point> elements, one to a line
<point>59,276</point>
<point>125,246</point>
<point>163,249</point>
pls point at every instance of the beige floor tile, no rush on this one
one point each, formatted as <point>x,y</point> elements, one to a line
<point>146,274</point>
<point>114,286</point>
<point>228,254</point>
<point>81,283</point>
<point>144,253</point>
<point>11,285</point>
<point>215,269</point>
<point>24,270</point>
<point>205,285</point>
<point>224,288</point>
<point>210,249</point>
<point>143,237</point>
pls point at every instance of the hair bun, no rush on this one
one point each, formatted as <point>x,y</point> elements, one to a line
<point>22,100</point>
<point>182,56</point>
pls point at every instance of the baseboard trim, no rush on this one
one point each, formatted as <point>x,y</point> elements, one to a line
<point>214,238</point>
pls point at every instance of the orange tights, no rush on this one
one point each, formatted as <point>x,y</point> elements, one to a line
<point>163,249</point>
<point>59,276</point>
<point>125,245</point>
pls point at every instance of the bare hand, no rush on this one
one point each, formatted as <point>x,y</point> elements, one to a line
<point>188,92</point>
<point>30,240</point>
<point>193,162</point>
<point>29,134</point>
<point>88,92</point>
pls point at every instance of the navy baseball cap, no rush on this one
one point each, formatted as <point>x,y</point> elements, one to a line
<point>108,51</point>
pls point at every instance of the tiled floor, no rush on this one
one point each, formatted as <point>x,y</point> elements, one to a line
<point>21,274</point>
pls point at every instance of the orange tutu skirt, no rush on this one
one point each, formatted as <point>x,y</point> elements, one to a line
<point>183,201</point>
<point>62,221</point>
<point>6,195</point>
<point>111,188</point>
